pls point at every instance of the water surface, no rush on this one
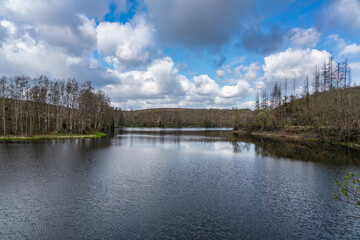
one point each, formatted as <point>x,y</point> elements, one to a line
<point>173,183</point>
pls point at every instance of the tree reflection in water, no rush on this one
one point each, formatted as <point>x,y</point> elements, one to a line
<point>307,151</point>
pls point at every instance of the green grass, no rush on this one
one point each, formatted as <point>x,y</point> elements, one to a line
<point>55,136</point>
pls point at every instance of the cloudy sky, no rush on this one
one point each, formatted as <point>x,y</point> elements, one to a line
<point>178,53</point>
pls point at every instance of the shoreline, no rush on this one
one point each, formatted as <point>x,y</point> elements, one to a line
<point>297,138</point>
<point>53,136</point>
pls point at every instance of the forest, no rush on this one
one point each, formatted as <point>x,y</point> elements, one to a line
<point>32,106</point>
<point>328,105</point>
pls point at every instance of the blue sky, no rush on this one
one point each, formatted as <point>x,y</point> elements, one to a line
<point>178,53</point>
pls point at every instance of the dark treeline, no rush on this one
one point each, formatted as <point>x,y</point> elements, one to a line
<point>177,117</point>
<point>328,104</point>
<point>30,106</point>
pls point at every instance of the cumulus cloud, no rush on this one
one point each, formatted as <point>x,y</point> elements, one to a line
<point>61,24</point>
<point>204,90</point>
<point>293,64</point>
<point>197,23</point>
<point>160,79</point>
<point>240,89</point>
<point>161,85</point>
<point>78,40</point>
<point>129,42</point>
<point>352,49</point>
<point>303,38</point>
<point>20,53</point>
<point>204,85</point>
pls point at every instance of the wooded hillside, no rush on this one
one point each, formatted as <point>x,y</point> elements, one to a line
<point>30,106</point>
<point>179,117</point>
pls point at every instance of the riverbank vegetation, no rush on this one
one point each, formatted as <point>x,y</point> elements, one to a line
<point>328,109</point>
<point>54,136</point>
<point>40,107</point>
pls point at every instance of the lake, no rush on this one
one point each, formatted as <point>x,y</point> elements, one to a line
<point>173,184</point>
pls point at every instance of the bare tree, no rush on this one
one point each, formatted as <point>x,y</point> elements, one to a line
<point>257,102</point>
<point>35,106</point>
<point>316,80</point>
<point>3,95</point>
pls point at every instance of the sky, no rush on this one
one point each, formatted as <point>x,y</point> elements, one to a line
<point>178,53</point>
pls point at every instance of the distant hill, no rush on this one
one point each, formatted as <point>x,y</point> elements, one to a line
<point>179,117</point>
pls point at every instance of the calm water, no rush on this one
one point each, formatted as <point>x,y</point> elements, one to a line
<point>142,184</point>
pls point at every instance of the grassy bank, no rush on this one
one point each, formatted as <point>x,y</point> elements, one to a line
<point>298,135</point>
<point>55,136</point>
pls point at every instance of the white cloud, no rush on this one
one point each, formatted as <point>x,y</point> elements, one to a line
<point>249,104</point>
<point>79,39</point>
<point>204,85</point>
<point>159,79</point>
<point>61,24</point>
<point>293,64</point>
<point>303,38</point>
<point>161,85</point>
<point>352,49</point>
<point>21,53</point>
<point>240,89</point>
<point>128,42</point>
<point>248,73</point>
<point>26,54</point>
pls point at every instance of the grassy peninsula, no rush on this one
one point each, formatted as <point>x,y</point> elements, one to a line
<point>54,136</point>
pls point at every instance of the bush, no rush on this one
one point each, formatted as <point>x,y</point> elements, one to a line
<point>264,120</point>
<point>349,189</point>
